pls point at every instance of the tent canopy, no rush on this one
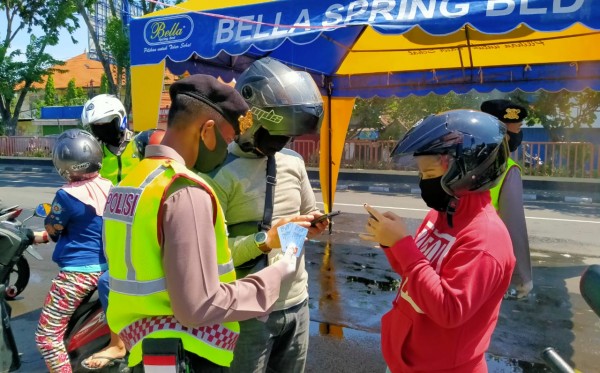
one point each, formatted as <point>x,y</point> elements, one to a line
<point>365,48</point>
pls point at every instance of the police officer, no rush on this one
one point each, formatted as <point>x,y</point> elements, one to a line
<point>507,195</point>
<point>171,273</point>
<point>107,119</point>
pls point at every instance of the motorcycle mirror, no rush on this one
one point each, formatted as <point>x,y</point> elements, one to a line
<point>589,286</point>
<point>42,210</point>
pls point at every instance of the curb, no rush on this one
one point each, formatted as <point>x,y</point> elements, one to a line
<point>411,189</point>
<point>381,188</point>
<point>47,170</point>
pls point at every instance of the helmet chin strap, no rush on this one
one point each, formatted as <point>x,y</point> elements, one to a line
<point>450,210</point>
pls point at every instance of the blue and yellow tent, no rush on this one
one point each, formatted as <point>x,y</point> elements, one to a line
<point>366,48</point>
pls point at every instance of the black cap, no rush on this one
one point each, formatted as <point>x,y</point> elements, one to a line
<point>221,97</point>
<point>505,110</point>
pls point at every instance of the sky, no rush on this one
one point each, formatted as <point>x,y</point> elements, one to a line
<point>65,48</point>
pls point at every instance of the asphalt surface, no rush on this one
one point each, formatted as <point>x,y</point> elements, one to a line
<point>351,285</point>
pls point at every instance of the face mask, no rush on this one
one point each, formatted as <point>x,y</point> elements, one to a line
<point>208,159</point>
<point>514,140</point>
<point>433,194</point>
<point>107,133</point>
<point>267,144</point>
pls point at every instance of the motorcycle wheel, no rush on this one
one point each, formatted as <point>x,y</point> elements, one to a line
<point>17,279</point>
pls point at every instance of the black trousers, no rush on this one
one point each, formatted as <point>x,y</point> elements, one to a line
<point>196,364</point>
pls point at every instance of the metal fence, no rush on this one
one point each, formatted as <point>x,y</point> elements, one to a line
<point>566,159</point>
<point>26,146</point>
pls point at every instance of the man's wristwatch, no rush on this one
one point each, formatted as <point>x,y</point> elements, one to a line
<point>260,239</point>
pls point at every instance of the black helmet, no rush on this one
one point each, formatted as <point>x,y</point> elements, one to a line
<point>77,155</point>
<point>474,140</point>
<point>284,102</point>
<point>148,137</point>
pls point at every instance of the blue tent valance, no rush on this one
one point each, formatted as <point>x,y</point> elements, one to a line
<point>266,26</point>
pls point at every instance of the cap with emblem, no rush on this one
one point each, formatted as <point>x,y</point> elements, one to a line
<point>220,96</point>
<point>505,110</point>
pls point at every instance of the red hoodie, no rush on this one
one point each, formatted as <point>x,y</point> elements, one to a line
<point>453,281</point>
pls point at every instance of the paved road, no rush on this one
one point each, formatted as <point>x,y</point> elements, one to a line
<point>351,285</point>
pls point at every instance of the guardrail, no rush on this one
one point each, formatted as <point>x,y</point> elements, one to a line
<point>26,146</point>
<point>566,159</point>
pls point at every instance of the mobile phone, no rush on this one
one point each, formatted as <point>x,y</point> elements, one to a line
<point>373,216</point>
<point>324,217</point>
<point>370,214</point>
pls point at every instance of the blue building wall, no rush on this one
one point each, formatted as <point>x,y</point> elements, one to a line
<point>61,112</point>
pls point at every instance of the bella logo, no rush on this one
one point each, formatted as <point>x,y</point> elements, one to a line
<point>168,30</point>
<point>159,30</point>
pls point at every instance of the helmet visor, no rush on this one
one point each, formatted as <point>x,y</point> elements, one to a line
<point>289,88</point>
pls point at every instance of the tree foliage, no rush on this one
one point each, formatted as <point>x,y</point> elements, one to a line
<point>19,69</point>
<point>394,116</point>
<point>563,109</point>
<point>116,47</point>
<point>74,95</point>
<point>103,84</point>
<point>50,92</point>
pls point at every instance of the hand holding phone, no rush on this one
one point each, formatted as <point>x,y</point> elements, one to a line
<point>371,212</point>
<point>323,218</point>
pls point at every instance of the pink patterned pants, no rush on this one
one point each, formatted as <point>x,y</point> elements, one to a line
<point>66,293</point>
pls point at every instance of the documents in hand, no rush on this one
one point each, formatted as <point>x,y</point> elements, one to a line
<point>292,235</point>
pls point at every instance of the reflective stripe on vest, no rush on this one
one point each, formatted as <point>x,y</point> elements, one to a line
<point>138,298</point>
<point>495,191</point>
<point>154,286</point>
<point>115,168</point>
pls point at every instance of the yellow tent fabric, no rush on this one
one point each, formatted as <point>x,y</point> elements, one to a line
<point>415,49</point>
<point>334,128</point>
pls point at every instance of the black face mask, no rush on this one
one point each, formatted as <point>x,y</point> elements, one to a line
<point>433,194</point>
<point>107,133</point>
<point>514,140</point>
<point>208,159</point>
<point>268,144</point>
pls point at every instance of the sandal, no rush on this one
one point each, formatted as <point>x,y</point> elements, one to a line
<point>110,361</point>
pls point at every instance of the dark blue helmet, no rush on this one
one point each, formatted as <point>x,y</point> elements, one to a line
<point>474,140</point>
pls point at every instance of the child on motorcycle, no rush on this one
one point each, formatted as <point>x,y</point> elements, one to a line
<point>75,223</point>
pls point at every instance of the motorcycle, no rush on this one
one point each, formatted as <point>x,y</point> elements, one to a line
<point>589,287</point>
<point>14,268</point>
<point>14,239</point>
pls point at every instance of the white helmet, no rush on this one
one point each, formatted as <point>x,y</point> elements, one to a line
<point>106,117</point>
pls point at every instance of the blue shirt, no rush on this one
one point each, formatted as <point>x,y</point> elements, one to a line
<point>78,232</point>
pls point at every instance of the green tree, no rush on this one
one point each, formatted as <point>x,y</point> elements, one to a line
<point>50,92</point>
<point>563,109</point>
<point>103,84</point>
<point>394,116</point>
<point>117,43</point>
<point>74,95</point>
<point>19,69</point>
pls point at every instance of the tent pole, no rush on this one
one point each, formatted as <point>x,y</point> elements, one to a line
<point>330,173</point>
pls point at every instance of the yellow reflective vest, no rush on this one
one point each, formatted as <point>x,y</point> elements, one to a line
<point>139,305</point>
<point>495,191</point>
<point>116,167</point>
